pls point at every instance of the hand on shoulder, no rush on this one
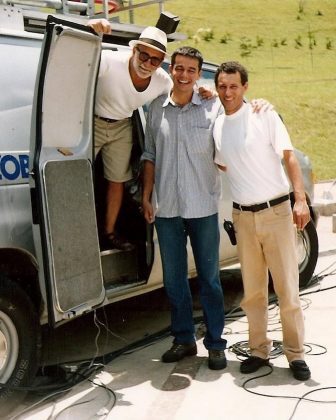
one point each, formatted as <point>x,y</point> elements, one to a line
<point>261,104</point>
<point>206,92</point>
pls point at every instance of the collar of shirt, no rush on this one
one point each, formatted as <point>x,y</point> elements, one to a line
<point>195,100</point>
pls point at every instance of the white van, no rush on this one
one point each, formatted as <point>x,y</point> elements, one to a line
<point>51,190</point>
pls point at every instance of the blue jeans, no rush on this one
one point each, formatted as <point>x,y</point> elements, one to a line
<point>204,238</point>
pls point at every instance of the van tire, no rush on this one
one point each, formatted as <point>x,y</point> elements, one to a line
<point>19,343</point>
<point>307,253</point>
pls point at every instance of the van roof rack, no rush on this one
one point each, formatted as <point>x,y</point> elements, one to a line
<point>82,7</point>
<point>33,13</point>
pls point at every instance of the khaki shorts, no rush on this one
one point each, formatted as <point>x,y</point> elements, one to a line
<point>115,142</point>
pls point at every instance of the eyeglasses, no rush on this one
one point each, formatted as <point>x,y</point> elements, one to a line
<point>143,56</point>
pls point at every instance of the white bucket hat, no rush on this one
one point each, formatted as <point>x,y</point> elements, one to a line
<point>152,37</point>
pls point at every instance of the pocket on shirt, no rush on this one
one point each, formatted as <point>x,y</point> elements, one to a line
<point>200,140</point>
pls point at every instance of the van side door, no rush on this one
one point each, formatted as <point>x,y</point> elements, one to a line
<point>64,218</point>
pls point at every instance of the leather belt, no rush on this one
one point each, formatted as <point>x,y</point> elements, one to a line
<point>109,120</point>
<point>261,206</point>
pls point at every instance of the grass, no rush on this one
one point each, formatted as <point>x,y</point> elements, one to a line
<point>289,48</point>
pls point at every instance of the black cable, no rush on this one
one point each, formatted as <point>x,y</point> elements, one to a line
<point>310,349</point>
<point>239,349</point>
<point>84,376</point>
<point>106,388</point>
<point>317,291</point>
<point>72,406</point>
<point>303,398</point>
<point>300,399</point>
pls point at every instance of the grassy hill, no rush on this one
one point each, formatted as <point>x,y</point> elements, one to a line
<point>289,48</point>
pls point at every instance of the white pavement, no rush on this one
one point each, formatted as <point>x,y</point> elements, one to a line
<point>147,389</point>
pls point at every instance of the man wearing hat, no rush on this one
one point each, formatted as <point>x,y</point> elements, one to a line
<point>125,82</point>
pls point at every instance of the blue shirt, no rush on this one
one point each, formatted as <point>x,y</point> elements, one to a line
<point>179,142</point>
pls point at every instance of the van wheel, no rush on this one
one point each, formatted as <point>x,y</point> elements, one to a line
<point>307,253</point>
<point>19,343</point>
<point>307,250</point>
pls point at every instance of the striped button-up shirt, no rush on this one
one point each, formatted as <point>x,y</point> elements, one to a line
<point>179,142</point>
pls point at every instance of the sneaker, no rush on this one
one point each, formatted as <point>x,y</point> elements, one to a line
<point>217,359</point>
<point>300,370</point>
<point>252,364</point>
<point>178,352</point>
<point>114,241</point>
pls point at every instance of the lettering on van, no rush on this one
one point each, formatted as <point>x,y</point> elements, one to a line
<point>14,168</point>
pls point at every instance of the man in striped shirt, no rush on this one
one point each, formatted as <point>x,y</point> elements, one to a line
<point>178,158</point>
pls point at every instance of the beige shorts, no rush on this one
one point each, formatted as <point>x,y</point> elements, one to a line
<point>114,140</point>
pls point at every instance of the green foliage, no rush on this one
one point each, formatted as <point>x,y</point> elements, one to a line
<point>301,6</point>
<point>298,42</point>
<point>275,43</point>
<point>300,82</point>
<point>311,40</point>
<point>225,38</point>
<point>259,41</point>
<point>245,46</point>
<point>329,44</point>
<point>205,34</point>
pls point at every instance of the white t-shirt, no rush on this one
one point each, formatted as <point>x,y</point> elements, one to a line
<point>116,96</point>
<point>251,147</point>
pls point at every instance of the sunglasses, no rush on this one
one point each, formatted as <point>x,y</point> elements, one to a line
<point>143,56</point>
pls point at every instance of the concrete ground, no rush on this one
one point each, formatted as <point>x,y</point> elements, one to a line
<point>143,388</point>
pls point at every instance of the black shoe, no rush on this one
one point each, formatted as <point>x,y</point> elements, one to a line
<point>114,241</point>
<point>217,359</point>
<point>178,352</point>
<point>300,370</point>
<point>252,364</point>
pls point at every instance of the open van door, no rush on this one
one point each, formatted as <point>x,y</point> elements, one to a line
<point>61,182</point>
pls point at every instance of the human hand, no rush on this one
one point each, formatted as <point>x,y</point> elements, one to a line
<point>301,214</point>
<point>100,25</point>
<point>261,104</point>
<point>148,211</point>
<point>206,92</point>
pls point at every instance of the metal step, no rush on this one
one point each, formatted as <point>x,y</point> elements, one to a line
<point>119,267</point>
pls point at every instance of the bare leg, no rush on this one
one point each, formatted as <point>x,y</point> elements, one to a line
<point>115,192</point>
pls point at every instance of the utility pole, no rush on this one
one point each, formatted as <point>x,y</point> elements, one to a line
<point>131,11</point>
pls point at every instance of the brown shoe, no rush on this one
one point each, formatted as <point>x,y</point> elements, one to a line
<point>114,241</point>
<point>178,352</point>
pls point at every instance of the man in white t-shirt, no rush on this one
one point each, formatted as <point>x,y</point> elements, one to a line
<point>126,81</point>
<point>250,147</point>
